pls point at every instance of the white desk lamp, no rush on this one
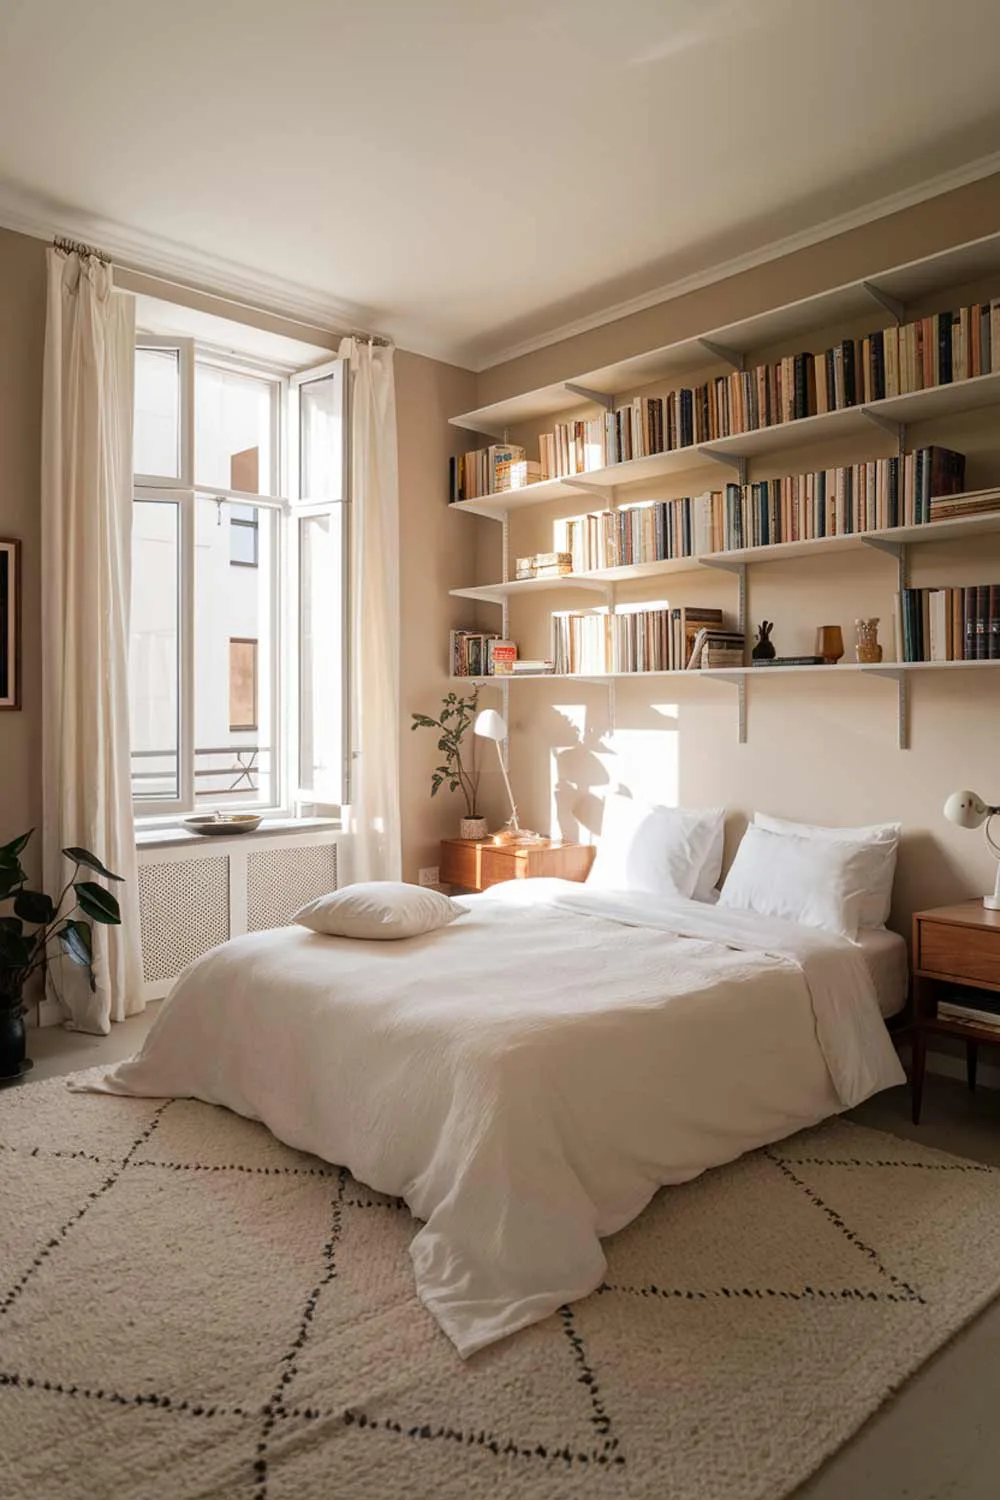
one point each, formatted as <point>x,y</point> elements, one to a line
<point>490,725</point>
<point>968,810</point>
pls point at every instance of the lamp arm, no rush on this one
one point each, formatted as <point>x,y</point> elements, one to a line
<point>510,795</point>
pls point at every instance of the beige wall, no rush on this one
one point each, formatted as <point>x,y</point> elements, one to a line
<point>819,750</point>
<point>22,325</point>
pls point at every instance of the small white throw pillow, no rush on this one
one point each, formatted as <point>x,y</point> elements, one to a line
<point>815,882</point>
<point>660,851</point>
<point>381,909</point>
<point>875,907</point>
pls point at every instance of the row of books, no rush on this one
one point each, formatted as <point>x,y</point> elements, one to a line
<point>953,624</point>
<point>980,1009</point>
<point>883,493</point>
<point>939,350</point>
<point>473,654</point>
<point>490,471</point>
<point>643,639</point>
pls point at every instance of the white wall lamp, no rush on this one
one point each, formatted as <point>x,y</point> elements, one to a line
<point>968,810</point>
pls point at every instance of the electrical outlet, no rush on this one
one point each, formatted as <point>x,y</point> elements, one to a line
<point>429,876</point>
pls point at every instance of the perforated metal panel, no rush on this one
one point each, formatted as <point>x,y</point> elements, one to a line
<point>184,911</point>
<point>279,881</point>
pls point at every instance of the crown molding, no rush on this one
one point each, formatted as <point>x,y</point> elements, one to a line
<point>880,208</point>
<point>154,255</point>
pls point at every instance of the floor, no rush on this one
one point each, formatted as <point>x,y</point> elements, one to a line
<point>938,1439</point>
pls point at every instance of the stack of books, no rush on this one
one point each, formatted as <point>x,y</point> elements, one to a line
<point>533,667</point>
<point>947,507</point>
<point>924,486</point>
<point>939,350</point>
<point>643,638</point>
<point>474,654</point>
<point>983,1009</point>
<point>959,624</point>
<point>488,471</point>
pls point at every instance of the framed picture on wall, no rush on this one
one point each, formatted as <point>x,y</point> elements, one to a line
<point>10,619</point>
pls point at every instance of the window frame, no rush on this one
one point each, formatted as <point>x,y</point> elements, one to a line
<point>304,508</point>
<point>281,653</point>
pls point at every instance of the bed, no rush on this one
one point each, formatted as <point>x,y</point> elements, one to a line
<point>528,1077</point>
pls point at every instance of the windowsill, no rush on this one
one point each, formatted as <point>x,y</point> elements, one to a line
<point>176,837</point>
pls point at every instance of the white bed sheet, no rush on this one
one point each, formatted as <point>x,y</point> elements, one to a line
<point>887,958</point>
<point>527,1077</point>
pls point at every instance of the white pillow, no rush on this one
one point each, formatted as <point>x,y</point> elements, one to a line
<point>384,909</point>
<point>661,851</point>
<point>875,907</point>
<point>815,882</point>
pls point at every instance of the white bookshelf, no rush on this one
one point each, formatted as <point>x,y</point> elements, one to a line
<point>885,296</point>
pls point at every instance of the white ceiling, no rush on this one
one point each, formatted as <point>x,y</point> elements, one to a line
<point>471,176</point>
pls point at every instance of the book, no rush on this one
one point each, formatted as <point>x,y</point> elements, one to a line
<point>788,661</point>
<point>501,656</point>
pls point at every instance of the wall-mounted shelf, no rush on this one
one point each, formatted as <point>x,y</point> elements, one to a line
<point>894,413</point>
<point>883,292</point>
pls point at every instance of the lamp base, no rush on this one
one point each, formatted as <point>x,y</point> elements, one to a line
<point>991,903</point>
<point>506,837</point>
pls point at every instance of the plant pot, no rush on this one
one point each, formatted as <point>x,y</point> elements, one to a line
<point>473,828</point>
<point>13,1063</point>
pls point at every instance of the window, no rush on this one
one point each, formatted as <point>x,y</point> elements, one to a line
<point>243,536</point>
<point>239,599</point>
<point>242,685</point>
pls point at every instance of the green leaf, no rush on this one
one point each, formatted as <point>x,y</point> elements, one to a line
<point>76,944</point>
<point>34,906</point>
<point>97,903</point>
<point>91,862</point>
<point>9,852</point>
<point>12,877</point>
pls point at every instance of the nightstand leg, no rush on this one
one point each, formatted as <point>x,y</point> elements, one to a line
<point>917,1066</point>
<point>971,1059</point>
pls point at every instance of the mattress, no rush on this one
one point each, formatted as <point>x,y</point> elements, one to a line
<point>886,956</point>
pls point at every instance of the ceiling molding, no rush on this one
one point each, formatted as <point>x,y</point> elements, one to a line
<point>985,166</point>
<point>154,255</point>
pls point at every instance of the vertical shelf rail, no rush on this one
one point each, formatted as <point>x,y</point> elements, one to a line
<point>738,679</point>
<point>901,552</point>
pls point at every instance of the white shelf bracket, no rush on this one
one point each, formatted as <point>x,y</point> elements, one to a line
<point>739,681</point>
<point>730,460</point>
<point>891,304</point>
<point>876,418</point>
<point>586,394</point>
<point>901,678</point>
<point>605,492</point>
<point>721,351</point>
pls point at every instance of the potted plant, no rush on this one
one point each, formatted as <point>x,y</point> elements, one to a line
<point>32,923</point>
<point>453,723</point>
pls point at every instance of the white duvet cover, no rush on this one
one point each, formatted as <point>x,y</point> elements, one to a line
<point>527,1077</point>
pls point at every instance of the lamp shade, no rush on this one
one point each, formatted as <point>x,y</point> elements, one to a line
<point>967,809</point>
<point>490,725</point>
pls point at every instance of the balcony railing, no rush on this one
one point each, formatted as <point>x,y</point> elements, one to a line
<point>234,775</point>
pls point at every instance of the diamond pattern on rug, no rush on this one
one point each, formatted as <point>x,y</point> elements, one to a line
<point>193,1309</point>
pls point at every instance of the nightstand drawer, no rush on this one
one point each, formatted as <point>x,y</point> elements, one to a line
<point>497,865</point>
<point>960,952</point>
<point>459,863</point>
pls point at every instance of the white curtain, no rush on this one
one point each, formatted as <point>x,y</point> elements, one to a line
<point>86,504</point>
<point>375,822</point>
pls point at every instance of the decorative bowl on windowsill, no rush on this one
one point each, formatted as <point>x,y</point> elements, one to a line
<point>223,823</point>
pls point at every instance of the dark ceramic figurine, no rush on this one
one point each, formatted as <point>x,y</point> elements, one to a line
<point>764,649</point>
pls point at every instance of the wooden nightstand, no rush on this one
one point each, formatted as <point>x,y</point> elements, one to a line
<point>477,864</point>
<point>951,945</point>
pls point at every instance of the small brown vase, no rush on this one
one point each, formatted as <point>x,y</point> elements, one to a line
<point>830,643</point>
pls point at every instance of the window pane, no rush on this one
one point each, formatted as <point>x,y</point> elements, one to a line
<point>153,658</point>
<point>243,550</point>
<point>321,646</point>
<point>321,437</point>
<point>156,431</point>
<point>234,687</point>
<point>233,425</point>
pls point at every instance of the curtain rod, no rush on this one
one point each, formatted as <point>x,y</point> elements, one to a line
<point>77,247</point>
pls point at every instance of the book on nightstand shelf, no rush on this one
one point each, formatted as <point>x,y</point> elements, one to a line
<point>984,1010</point>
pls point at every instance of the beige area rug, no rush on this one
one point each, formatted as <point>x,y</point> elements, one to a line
<point>188,1308</point>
